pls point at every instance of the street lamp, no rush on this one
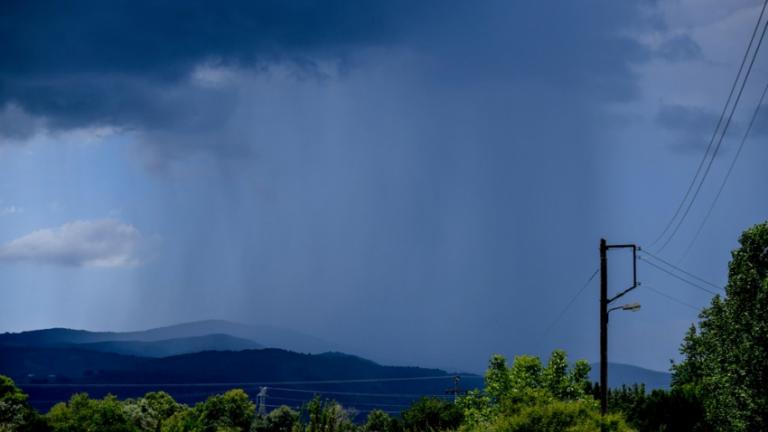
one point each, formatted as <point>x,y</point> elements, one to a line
<point>631,307</point>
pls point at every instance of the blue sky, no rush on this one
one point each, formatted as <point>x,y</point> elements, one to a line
<point>418,184</point>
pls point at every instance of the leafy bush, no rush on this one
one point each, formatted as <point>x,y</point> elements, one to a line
<point>432,414</point>
<point>82,414</point>
<point>281,419</point>
<point>326,416</point>
<point>532,397</point>
<point>379,421</point>
<point>15,413</point>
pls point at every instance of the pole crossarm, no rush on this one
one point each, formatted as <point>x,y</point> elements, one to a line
<point>635,284</point>
<point>621,246</point>
<point>619,295</point>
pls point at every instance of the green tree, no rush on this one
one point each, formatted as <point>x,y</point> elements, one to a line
<point>529,396</point>
<point>326,416</point>
<point>82,414</point>
<point>726,358</point>
<point>281,419</point>
<point>557,416</point>
<point>432,414</point>
<point>185,420</point>
<point>378,421</point>
<point>658,411</point>
<point>150,411</point>
<point>16,414</point>
<point>231,411</point>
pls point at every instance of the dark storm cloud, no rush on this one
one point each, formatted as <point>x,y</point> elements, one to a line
<point>83,62</point>
<point>130,64</point>
<point>163,39</point>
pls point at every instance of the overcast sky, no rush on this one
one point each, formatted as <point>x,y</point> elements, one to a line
<point>420,183</point>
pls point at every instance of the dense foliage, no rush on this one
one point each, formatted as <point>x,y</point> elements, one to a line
<point>726,358</point>
<point>525,397</point>
<point>15,412</point>
<point>531,397</point>
<point>657,411</point>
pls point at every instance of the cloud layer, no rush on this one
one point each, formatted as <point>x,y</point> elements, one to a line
<point>83,243</point>
<point>174,72</point>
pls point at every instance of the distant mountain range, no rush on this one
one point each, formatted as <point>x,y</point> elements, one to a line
<point>170,347</point>
<point>263,336</point>
<point>76,365</point>
<point>622,374</point>
<point>194,360</point>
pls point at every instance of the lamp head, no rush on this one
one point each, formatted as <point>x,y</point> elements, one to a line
<point>632,307</point>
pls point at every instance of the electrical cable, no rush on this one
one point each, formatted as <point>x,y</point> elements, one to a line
<point>255,384</point>
<point>674,299</point>
<point>570,302</point>
<point>720,140</point>
<point>662,260</point>
<point>728,174</point>
<point>679,278</point>
<point>717,128</point>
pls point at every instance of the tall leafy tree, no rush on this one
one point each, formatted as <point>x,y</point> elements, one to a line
<point>726,357</point>
<point>82,414</point>
<point>281,419</point>
<point>326,416</point>
<point>231,411</point>
<point>150,411</point>
<point>16,415</point>
<point>378,421</point>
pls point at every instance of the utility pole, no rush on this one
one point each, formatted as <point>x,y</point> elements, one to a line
<point>455,390</point>
<point>605,301</point>
<point>603,327</point>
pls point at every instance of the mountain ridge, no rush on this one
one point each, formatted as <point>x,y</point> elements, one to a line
<point>264,335</point>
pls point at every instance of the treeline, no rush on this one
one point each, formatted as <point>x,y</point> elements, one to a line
<point>526,396</point>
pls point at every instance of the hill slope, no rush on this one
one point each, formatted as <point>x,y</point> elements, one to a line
<point>170,347</point>
<point>50,375</point>
<point>78,365</point>
<point>263,335</point>
<point>622,374</point>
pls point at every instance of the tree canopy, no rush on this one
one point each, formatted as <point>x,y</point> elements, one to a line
<point>726,357</point>
<point>531,397</point>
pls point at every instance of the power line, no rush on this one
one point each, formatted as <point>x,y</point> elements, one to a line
<point>674,299</point>
<point>662,260</point>
<point>714,135</point>
<point>363,380</point>
<point>570,302</point>
<point>344,393</point>
<point>365,410</point>
<point>250,384</point>
<point>349,403</point>
<point>728,174</point>
<point>720,140</point>
<point>680,278</point>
